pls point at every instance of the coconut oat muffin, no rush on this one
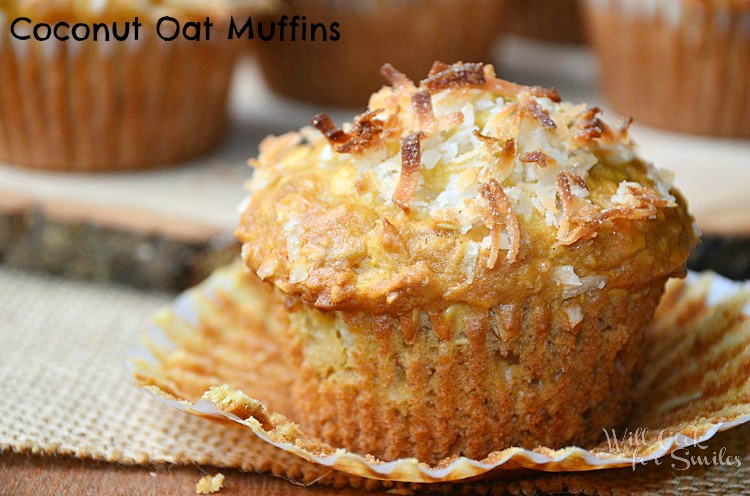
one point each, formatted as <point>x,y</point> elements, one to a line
<point>466,267</point>
<point>682,65</point>
<point>112,105</point>
<point>409,34</point>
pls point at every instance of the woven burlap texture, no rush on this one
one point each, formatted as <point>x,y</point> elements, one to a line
<point>65,390</point>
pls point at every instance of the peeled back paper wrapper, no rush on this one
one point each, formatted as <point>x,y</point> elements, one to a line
<point>213,353</point>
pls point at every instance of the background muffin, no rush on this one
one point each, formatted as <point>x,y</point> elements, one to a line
<point>548,20</point>
<point>465,268</point>
<point>679,64</point>
<point>409,34</point>
<point>98,105</point>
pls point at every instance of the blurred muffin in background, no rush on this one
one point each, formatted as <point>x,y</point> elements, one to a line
<point>112,105</point>
<point>682,65</point>
<point>409,34</point>
<point>557,21</point>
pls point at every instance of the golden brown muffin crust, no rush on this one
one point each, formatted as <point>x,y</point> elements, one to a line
<point>525,191</point>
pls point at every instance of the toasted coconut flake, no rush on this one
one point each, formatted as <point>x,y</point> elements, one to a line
<point>411,161</point>
<point>395,77</point>
<point>325,125</point>
<point>502,212</point>
<point>575,225</point>
<point>366,132</point>
<point>590,126</point>
<point>438,67</point>
<point>537,157</point>
<point>625,128</point>
<point>585,231</point>
<point>507,148</point>
<point>636,202</point>
<point>532,107</point>
<point>646,196</point>
<point>639,202</point>
<point>507,89</point>
<point>490,141</point>
<point>508,155</point>
<point>566,197</point>
<point>450,121</point>
<point>578,180</point>
<point>455,76</point>
<point>508,110</point>
<point>541,92</point>
<point>422,103</point>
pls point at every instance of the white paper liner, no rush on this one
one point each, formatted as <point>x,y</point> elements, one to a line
<point>693,309</point>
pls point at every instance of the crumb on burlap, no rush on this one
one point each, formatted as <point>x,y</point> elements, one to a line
<point>209,484</point>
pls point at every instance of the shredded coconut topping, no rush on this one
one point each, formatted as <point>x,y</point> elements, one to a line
<point>396,78</point>
<point>456,76</point>
<point>422,102</point>
<point>501,213</point>
<point>410,164</point>
<point>471,151</point>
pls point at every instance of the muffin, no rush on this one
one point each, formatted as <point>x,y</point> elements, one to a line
<point>409,34</point>
<point>466,267</point>
<point>111,105</point>
<point>557,21</point>
<point>682,65</point>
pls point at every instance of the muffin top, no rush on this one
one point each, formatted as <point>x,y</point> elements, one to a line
<point>462,189</point>
<point>125,10</point>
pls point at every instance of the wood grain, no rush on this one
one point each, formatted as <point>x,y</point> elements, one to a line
<point>27,475</point>
<point>109,244</point>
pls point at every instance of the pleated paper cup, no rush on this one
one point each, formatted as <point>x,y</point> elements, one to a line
<point>545,373</point>
<point>111,105</point>
<point>682,65</point>
<point>217,353</point>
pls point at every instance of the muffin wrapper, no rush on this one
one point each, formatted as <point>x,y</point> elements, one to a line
<point>680,65</point>
<point>465,380</point>
<point>98,105</point>
<point>217,339</point>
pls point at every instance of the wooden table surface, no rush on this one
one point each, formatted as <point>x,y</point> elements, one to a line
<point>27,475</point>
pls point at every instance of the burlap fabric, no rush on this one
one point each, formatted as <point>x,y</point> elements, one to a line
<point>64,389</point>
